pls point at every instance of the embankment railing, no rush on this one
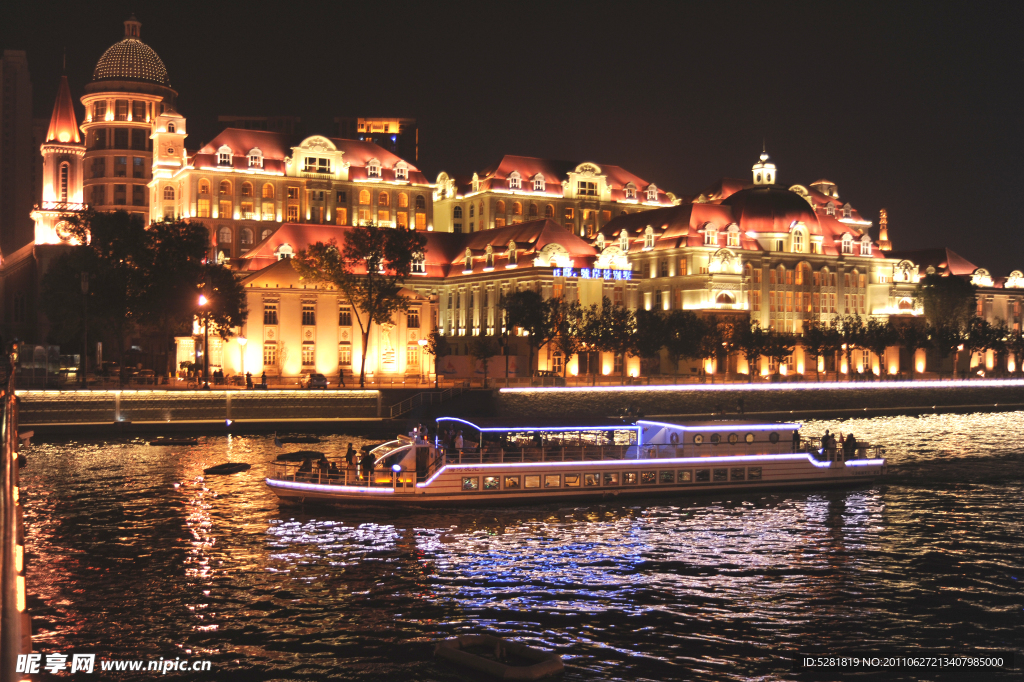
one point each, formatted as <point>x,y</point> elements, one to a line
<point>15,630</point>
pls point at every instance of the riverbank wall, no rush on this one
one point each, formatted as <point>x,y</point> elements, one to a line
<point>15,627</point>
<point>774,402</point>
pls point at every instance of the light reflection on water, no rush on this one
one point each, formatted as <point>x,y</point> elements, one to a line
<point>123,563</point>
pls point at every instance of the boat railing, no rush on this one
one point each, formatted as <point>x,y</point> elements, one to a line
<point>344,476</point>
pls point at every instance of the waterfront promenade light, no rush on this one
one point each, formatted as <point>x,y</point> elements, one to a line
<point>206,341</point>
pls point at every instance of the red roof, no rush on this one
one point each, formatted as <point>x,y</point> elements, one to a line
<point>944,260</point>
<point>63,125</point>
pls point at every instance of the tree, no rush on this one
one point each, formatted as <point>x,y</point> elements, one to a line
<point>615,330</point>
<point>437,345</point>
<point>536,317</point>
<point>778,346</point>
<point>878,336</point>
<point>683,331</point>
<point>570,330</point>
<point>818,341</point>
<point>982,336</point>
<point>949,305</point>
<point>1015,344</point>
<point>650,338</point>
<point>851,335</point>
<point>750,340</point>
<point>483,348</point>
<point>710,340</point>
<point>226,308</point>
<point>912,336</point>
<point>370,269</point>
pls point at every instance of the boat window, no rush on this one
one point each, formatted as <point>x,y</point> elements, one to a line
<point>666,477</point>
<point>648,477</point>
<point>734,438</point>
<point>532,481</point>
<point>490,482</point>
<point>611,478</point>
<point>773,437</point>
<point>715,438</point>
<point>628,478</point>
<point>736,474</point>
<point>553,481</point>
<point>470,483</point>
<point>721,475</point>
<point>685,476</point>
<point>698,438</point>
<point>591,479</point>
<point>511,482</point>
<point>753,473</point>
<point>572,480</point>
<point>749,438</point>
<point>703,475</point>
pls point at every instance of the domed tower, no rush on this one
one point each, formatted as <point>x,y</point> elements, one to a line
<point>62,152</point>
<point>883,231</point>
<point>128,91</point>
<point>764,170</point>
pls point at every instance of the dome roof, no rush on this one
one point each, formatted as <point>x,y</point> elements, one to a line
<point>131,59</point>
<point>770,209</point>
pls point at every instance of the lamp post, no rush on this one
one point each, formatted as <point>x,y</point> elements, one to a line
<point>423,348</point>
<point>85,326</point>
<point>241,342</point>
<point>206,341</point>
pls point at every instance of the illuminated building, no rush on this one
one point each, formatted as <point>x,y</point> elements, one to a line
<point>129,89</point>
<point>63,153</point>
<point>400,136</point>
<point>581,197</point>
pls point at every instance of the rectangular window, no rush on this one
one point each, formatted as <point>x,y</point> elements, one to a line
<point>138,170</point>
<point>224,209</point>
<point>121,110</point>
<point>270,354</point>
<point>846,280</point>
<point>98,139</point>
<point>403,219</point>
<point>120,166</point>
<point>553,480</point>
<point>138,111</point>
<point>591,479</point>
<point>863,281</point>
<point>611,478</point>
<point>617,364</point>
<point>270,313</point>
<point>491,482</point>
<point>736,474</point>
<point>247,211</point>
<point>293,192</point>
<point>862,309</point>
<point>345,354</point>
<point>308,354</point>
<point>666,477</point>
<point>531,481</point>
<point>99,167</point>
<point>629,478</point>
<point>814,302</point>
<point>720,475</point>
<point>511,483</point>
<point>572,480</point>
<point>99,193</point>
<point>308,314</point>
<point>771,276</point>
<point>139,196</point>
<point>292,213</point>
<point>755,300</point>
<point>846,303</point>
<point>569,213</point>
<point>140,140</point>
<point>203,208</point>
<point>831,303</point>
<point>412,356</point>
<point>344,316</point>
<point>649,477</point>
<point>120,138</point>
<point>586,189</point>
<point>99,110</point>
<point>412,319</point>
<point>789,299</point>
<point>685,476</point>
<point>469,482</point>
<point>789,276</point>
<point>771,301</point>
<point>753,473</point>
<point>702,475</point>
<point>757,276</point>
<point>268,210</point>
<point>120,195</point>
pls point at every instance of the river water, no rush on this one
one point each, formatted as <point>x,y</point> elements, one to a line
<point>132,555</point>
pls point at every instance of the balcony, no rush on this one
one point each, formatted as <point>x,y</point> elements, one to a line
<point>319,175</point>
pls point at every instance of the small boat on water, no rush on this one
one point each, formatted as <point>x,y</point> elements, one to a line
<point>499,658</point>
<point>175,441</point>
<point>227,468</point>
<point>514,464</point>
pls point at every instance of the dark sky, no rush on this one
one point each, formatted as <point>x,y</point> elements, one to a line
<point>916,108</point>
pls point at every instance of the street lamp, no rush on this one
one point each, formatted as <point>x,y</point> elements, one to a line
<point>241,342</point>
<point>423,347</point>
<point>206,341</point>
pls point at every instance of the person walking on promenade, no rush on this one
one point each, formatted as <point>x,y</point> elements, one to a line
<point>350,456</point>
<point>248,379</point>
<point>264,379</point>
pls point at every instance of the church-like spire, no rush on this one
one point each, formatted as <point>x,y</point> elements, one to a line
<point>132,27</point>
<point>883,232</point>
<point>63,125</point>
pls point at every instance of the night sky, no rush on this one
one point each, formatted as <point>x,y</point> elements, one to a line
<point>914,108</point>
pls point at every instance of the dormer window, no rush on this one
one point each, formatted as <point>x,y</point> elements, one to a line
<point>648,238</point>
<point>418,264</point>
<point>797,241</point>
<point>652,193</point>
<point>830,208</point>
<point>624,241</point>
<point>255,158</point>
<point>847,211</point>
<point>710,236</point>
<point>489,258</point>
<point>401,171</point>
<point>514,180</point>
<point>224,156</point>
<point>538,183</point>
<point>585,188</point>
<point>284,252</point>
<point>629,191</point>
<point>847,243</point>
<point>512,253</point>
<point>865,245</point>
<point>469,261</point>
<point>734,235</point>
<point>373,168</point>
<point>476,183</point>
<point>600,242</point>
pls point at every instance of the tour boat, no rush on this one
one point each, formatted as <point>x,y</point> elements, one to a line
<point>503,464</point>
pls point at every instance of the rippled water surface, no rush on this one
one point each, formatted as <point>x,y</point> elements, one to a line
<point>132,554</point>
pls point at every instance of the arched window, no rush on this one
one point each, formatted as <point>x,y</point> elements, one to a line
<point>458,212</point>
<point>865,245</point>
<point>403,200</point>
<point>204,187</point>
<point>268,191</point>
<point>246,189</point>
<point>649,238</point>
<point>468,261</point>
<point>906,304</point>
<point>533,210</point>
<point>725,298</point>
<point>847,211</point>
<point>224,156</point>
<point>65,175</point>
<point>830,208</point>
<point>624,241</point>
<point>710,236</point>
<point>652,193</point>
<point>401,171</point>
<point>549,211</point>
<point>168,193</point>
<point>266,233</point>
<point>733,236</point>
<point>373,168</point>
<point>514,180</point>
<point>797,241</point>
<point>513,253</point>
<point>472,210</point>
<point>421,203</point>
<point>629,191</point>
<point>499,207</point>
<point>284,252</point>
<point>245,237</point>
<point>384,199</point>
<point>225,187</point>
<point>255,158</point>
<point>847,243</point>
<point>170,127</point>
<point>364,197</point>
<point>747,271</point>
<point>224,234</point>
<point>517,208</point>
<point>538,183</point>
<point>418,263</point>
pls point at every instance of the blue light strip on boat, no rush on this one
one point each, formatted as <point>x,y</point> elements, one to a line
<point>945,383</point>
<point>724,426</point>
<point>493,429</point>
<point>321,488</point>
